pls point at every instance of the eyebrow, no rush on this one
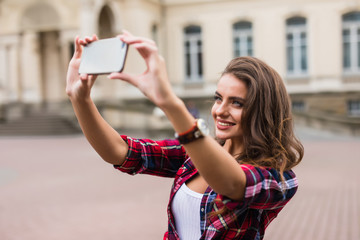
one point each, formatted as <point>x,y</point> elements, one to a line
<point>231,97</point>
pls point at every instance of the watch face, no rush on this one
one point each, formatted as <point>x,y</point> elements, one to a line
<point>203,127</point>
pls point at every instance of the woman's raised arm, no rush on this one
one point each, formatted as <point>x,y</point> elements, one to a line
<point>220,170</point>
<point>102,137</point>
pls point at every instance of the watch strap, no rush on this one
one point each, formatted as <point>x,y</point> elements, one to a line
<point>190,135</point>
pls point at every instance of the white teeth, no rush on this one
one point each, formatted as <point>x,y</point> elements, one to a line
<point>224,124</point>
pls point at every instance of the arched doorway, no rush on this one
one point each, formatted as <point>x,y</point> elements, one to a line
<point>41,65</point>
<point>104,89</point>
<point>106,22</point>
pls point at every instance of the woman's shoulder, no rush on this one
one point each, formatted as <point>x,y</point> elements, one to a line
<point>258,172</point>
<point>146,141</point>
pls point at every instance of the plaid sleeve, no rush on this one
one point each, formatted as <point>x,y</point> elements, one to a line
<point>145,156</point>
<point>264,189</point>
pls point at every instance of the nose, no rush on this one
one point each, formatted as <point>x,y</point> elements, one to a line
<point>222,109</point>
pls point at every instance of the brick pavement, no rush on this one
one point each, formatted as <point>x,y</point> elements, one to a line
<point>58,188</point>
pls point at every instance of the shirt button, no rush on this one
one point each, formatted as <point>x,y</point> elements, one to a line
<point>202,209</point>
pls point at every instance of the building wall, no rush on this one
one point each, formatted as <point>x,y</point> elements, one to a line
<point>36,45</point>
<point>324,92</point>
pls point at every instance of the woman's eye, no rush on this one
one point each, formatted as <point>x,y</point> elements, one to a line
<point>238,104</point>
<point>217,98</point>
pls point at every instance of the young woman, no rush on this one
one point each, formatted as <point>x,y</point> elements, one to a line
<point>231,190</point>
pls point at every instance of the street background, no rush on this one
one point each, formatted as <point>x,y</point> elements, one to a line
<point>53,185</point>
<point>58,188</point>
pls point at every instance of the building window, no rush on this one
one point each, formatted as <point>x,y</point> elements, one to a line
<point>242,37</point>
<point>298,106</point>
<point>351,42</point>
<point>296,47</point>
<point>193,54</point>
<point>354,108</point>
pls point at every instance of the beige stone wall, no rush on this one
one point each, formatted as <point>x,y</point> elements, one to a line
<point>268,18</point>
<point>36,38</point>
<point>34,43</point>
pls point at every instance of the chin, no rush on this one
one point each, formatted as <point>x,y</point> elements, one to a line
<point>221,137</point>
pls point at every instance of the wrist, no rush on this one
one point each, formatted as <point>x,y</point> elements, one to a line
<point>80,100</point>
<point>197,131</point>
<point>171,103</point>
<point>177,113</point>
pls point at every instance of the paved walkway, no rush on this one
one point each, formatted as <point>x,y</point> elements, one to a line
<point>326,206</point>
<point>57,188</point>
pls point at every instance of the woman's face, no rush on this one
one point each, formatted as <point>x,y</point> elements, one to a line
<point>230,97</point>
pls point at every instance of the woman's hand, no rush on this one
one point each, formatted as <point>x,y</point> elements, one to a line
<point>78,87</point>
<point>104,139</point>
<point>153,82</point>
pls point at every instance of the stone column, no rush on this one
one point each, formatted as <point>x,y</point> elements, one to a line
<point>50,66</point>
<point>14,82</point>
<point>66,42</point>
<point>30,68</point>
<point>88,17</point>
<point>3,73</point>
<point>10,86</point>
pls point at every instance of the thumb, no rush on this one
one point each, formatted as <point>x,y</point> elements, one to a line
<point>130,78</point>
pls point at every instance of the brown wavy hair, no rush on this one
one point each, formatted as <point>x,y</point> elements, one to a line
<point>267,124</point>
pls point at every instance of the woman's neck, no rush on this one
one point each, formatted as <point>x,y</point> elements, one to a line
<point>234,147</point>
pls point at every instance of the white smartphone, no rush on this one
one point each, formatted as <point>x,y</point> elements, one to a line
<point>104,56</point>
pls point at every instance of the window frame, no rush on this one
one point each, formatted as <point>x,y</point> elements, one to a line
<point>353,41</point>
<point>299,48</point>
<point>193,54</point>
<point>353,108</point>
<point>242,30</point>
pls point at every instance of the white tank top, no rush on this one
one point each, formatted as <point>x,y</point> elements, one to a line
<point>186,210</point>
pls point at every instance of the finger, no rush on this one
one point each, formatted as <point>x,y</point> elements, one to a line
<point>78,48</point>
<point>132,40</point>
<point>144,46</point>
<point>122,76</point>
<point>145,49</point>
<point>82,42</point>
<point>130,78</point>
<point>88,40</point>
<point>84,76</point>
<point>92,79</point>
<point>126,32</point>
<point>95,37</point>
<point>92,75</point>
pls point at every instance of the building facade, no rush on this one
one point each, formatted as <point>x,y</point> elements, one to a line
<point>314,45</point>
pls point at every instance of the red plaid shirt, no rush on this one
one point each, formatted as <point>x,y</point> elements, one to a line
<point>264,196</point>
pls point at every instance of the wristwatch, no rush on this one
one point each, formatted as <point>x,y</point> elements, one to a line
<point>199,130</point>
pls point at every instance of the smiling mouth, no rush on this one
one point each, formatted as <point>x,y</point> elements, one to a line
<point>225,124</point>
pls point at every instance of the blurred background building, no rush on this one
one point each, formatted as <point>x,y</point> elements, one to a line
<point>314,45</point>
